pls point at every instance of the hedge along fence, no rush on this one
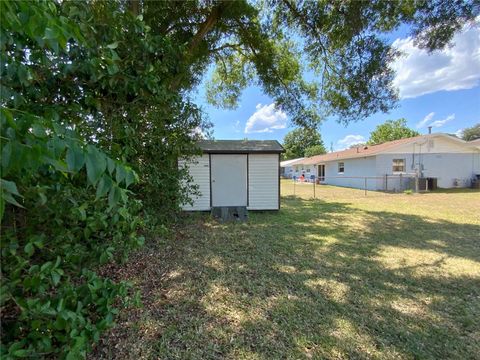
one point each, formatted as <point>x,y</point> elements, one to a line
<point>65,208</point>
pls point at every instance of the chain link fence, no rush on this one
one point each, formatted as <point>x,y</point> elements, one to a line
<point>324,187</point>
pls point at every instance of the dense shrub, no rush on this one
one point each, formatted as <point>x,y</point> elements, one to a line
<point>85,90</point>
<point>66,208</point>
<point>67,196</point>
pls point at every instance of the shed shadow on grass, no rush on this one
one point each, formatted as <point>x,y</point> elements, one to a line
<point>315,280</point>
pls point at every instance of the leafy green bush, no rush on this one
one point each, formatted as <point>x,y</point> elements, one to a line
<point>66,206</point>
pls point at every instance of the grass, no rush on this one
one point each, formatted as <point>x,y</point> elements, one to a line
<point>385,276</point>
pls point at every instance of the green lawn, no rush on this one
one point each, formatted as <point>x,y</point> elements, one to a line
<point>344,276</point>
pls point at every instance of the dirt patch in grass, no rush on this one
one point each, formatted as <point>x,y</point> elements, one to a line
<point>396,276</point>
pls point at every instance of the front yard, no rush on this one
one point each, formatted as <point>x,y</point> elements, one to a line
<point>347,276</point>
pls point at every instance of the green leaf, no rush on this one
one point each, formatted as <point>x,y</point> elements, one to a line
<point>96,164</point>
<point>59,165</point>
<point>55,278</point>
<point>50,34</point>
<point>43,198</point>
<point>6,156</point>
<point>113,45</point>
<point>111,165</point>
<point>29,249</point>
<point>2,207</point>
<point>38,130</point>
<point>130,177</point>
<point>21,353</point>
<point>10,199</point>
<point>104,186</point>
<point>75,158</point>
<point>6,115</point>
<point>112,69</point>
<point>114,196</point>
<point>120,173</point>
<point>82,212</point>
<point>10,186</point>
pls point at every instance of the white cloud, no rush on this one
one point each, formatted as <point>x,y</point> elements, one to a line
<point>459,133</point>
<point>425,120</point>
<point>350,140</point>
<point>266,119</point>
<point>454,68</point>
<point>440,123</point>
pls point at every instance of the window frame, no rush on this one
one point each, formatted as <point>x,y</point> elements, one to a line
<point>343,167</point>
<point>403,166</point>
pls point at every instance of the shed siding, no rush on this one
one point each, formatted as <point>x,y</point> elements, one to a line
<point>199,170</point>
<point>263,181</point>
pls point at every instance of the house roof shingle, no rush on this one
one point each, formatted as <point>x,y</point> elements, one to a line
<point>240,146</point>
<point>289,162</point>
<point>368,150</point>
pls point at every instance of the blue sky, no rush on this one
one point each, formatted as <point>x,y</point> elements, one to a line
<point>441,89</point>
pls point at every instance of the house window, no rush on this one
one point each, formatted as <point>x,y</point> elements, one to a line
<point>398,165</point>
<point>296,168</point>
<point>308,170</point>
<point>341,167</point>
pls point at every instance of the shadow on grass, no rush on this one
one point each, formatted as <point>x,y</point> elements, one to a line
<point>318,280</point>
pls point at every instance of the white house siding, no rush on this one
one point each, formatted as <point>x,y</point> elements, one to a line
<point>354,175</point>
<point>431,145</point>
<point>199,170</point>
<point>263,181</point>
<point>287,171</point>
<point>298,170</point>
<point>446,167</point>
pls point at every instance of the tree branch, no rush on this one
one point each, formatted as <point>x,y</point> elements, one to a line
<point>134,6</point>
<point>204,29</point>
<point>226,46</point>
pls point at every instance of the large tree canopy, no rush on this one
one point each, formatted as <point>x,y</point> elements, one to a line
<point>471,133</point>
<point>391,130</point>
<point>315,150</point>
<point>273,43</point>
<point>303,142</point>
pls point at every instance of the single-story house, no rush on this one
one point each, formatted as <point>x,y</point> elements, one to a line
<point>475,142</point>
<point>445,160</point>
<point>236,173</point>
<point>286,169</point>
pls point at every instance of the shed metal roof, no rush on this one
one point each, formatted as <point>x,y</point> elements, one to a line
<point>240,146</point>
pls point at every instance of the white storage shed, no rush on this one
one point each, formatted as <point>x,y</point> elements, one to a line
<point>240,173</point>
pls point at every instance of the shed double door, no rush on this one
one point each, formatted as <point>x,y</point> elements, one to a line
<point>229,179</point>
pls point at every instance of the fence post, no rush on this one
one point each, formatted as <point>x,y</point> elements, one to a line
<point>365,186</point>
<point>294,187</point>
<point>416,183</point>
<point>400,185</point>
<point>314,188</point>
